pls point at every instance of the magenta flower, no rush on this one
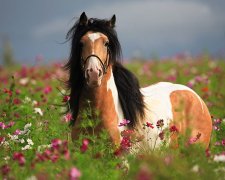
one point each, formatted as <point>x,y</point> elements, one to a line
<point>11,123</point>
<point>5,169</point>
<point>160,123</point>
<point>74,173</point>
<point>2,139</point>
<point>47,89</point>
<point>174,129</point>
<point>217,121</point>
<point>126,143</point>
<point>17,132</point>
<point>124,123</point>
<point>161,135</point>
<point>66,98</point>
<point>194,139</point>
<point>150,125</point>
<point>16,101</point>
<point>217,144</point>
<point>2,125</point>
<point>56,143</point>
<point>84,145</point>
<point>207,152</point>
<point>127,133</point>
<point>66,154</point>
<point>9,92</point>
<point>54,157</point>
<point>118,152</point>
<point>68,117</point>
<point>19,157</point>
<point>190,84</point>
<point>223,142</point>
<point>216,128</point>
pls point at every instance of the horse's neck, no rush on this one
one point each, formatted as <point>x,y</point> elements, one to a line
<point>105,100</point>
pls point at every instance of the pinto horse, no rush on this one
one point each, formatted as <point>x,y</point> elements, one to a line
<point>97,75</point>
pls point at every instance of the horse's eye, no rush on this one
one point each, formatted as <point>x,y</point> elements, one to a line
<point>106,44</point>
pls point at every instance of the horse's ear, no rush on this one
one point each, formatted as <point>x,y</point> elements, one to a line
<point>112,21</point>
<point>83,19</point>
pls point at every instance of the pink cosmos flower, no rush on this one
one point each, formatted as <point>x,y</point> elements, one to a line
<point>223,142</point>
<point>194,139</point>
<point>74,173</point>
<point>124,123</point>
<point>11,123</point>
<point>84,145</point>
<point>150,125</point>
<point>2,125</point>
<point>126,143</point>
<point>160,123</point>
<point>66,154</point>
<point>2,139</point>
<point>56,143</point>
<point>17,132</point>
<point>174,129</point>
<point>207,152</point>
<point>16,101</point>
<point>127,133</point>
<point>118,152</point>
<point>217,144</point>
<point>161,135</point>
<point>5,169</point>
<point>217,121</point>
<point>66,98</point>
<point>216,128</point>
<point>19,157</point>
<point>7,91</point>
<point>68,117</point>
<point>47,89</point>
<point>54,157</point>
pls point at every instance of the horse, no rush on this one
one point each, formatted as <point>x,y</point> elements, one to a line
<point>96,75</point>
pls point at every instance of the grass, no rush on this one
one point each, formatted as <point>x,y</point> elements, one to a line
<point>35,136</point>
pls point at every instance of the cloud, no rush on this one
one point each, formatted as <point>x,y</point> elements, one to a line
<point>151,25</point>
<point>53,27</point>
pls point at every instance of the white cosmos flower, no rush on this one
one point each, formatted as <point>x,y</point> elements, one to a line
<point>30,142</point>
<point>27,126</point>
<point>7,158</point>
<point>27,99</point>
<point>38,110</point>
<point>34,102</point>
<point>219,158</point>
<point>26,147</point>
<point>24,81</point>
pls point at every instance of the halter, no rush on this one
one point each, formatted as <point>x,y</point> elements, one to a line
<point>104,65</point>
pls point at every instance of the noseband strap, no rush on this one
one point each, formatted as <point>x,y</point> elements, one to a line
<point>104,65</point>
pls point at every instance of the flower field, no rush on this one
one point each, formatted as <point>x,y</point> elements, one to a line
<point>35,140</point>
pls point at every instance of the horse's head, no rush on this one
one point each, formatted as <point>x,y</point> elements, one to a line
<point>95,51</point>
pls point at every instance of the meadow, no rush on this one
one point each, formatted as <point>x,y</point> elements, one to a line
<point>35,140</point>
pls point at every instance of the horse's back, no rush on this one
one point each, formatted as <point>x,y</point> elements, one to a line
<point>180,106</point>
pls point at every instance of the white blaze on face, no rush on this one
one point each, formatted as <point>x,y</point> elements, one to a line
<point>94,36</point>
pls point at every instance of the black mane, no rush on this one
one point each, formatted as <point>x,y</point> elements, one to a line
<point>127,84</point>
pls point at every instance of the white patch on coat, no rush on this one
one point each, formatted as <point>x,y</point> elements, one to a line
<point>112,86</point>
<point>94,36</point>
<point>158,106</point>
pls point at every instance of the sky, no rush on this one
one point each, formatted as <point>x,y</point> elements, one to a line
<point>37,28</point>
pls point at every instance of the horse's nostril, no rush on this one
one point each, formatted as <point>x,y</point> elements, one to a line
<point>91,70</point>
